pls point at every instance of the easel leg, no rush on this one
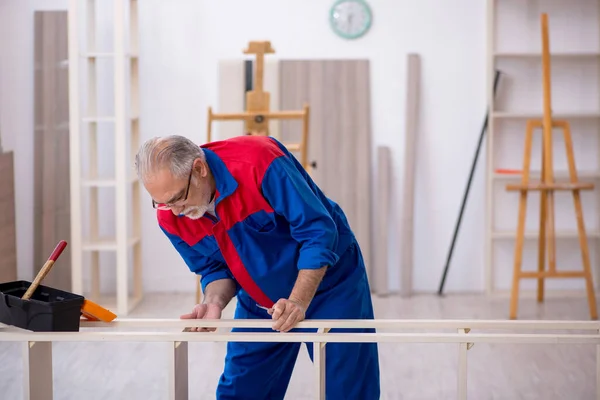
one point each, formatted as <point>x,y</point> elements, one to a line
<point>209,125</point>
<point>542,238</point>
<point>521,224</point>
<point>585,254</point>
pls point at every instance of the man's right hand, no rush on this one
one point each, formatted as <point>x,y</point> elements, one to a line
<point>204,311</point>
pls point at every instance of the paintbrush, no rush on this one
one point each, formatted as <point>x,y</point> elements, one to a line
<point>45,269</point>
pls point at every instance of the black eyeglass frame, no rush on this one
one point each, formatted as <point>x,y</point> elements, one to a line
<point>162,206</point>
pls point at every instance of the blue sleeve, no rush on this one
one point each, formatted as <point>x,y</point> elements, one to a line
<point>209,269</point>
<point>288,193</point>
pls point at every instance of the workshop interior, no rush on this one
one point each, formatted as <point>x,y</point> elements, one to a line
<point>461,140</point>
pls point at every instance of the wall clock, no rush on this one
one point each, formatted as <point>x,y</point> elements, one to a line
<point>350,19</point>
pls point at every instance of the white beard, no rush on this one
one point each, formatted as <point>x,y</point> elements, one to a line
<point>194,212</point>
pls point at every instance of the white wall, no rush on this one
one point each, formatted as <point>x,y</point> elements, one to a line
<point>181,42</point>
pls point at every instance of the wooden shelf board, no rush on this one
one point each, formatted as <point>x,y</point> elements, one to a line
<point>104,54</point>
<point>560,234</point>
<point>557,175</point>
<point>98,119</point>
<point>533,54</point>
<point>107,244</point>
<point>538,115</point>
<point>107,118</point>
<point>104,182</point>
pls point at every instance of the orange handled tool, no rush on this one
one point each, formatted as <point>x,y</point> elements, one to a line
<point>93,312</point>
<point>45,269</point>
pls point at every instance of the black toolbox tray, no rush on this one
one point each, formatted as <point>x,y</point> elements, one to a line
<point>48,309</point>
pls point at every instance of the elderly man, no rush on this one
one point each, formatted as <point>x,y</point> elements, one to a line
<point>246,216</point>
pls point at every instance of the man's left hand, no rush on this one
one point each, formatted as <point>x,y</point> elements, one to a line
<point>286,314</point>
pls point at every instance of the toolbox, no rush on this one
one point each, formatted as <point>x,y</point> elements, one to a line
<point>48,309</point>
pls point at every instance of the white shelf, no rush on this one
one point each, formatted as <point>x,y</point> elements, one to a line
<point>98,119</point>
<point>558,175</point>
<point>94,144</point>
<point>538,115</point>
<point>107,118</point>
<point>105,182</point>
<point>107,244</point>
<point>538,55</point>
<point>95,55</point>
<point>514,48</point>
<point>593,234</point>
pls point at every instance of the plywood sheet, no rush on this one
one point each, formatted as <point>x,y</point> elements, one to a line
<point>338,93</point>
<point>51,145</point>
<point>8,244</point>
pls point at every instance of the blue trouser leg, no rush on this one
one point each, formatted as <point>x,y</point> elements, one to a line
<point>352,369</point>
<point>256,370</point>
<point>262,371</point>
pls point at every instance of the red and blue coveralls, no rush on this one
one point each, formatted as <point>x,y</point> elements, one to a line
<point>272,220</point>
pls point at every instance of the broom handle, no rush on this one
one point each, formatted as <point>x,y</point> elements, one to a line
<point>45,269</point>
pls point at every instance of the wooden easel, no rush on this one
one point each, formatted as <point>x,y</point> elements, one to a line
<point>547,186</point>
<point>258,115</point>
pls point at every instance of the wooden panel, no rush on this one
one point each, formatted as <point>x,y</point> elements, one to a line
<point>51,146</point>
<point>338,93</point>
<point>408,192</point>
<point>383,210</point>
<point>8,244</point>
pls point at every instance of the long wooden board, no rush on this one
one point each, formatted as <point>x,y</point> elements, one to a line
<point>413,74</point>
<point>51,145</point>
<point>8,244</point>
<point>338,93</point>
<point>383,208</point>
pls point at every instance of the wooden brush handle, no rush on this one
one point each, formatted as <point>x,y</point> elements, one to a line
<point>45,269</point>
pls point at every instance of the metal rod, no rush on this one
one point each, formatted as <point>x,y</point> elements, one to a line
<point>464,200</point>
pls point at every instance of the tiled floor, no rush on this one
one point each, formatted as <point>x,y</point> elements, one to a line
<point>91,371</point>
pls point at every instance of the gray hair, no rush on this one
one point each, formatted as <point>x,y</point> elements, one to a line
<point>174,152</point>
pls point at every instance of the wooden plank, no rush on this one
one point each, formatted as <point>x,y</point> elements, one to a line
<point>338,93</point>
<point>51,145</point>
<point>8,244</point>
<point>382,231</point>
<point>408,192</point>
<point>301,337</point>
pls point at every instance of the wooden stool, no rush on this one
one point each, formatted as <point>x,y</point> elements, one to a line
<point>547,186</point>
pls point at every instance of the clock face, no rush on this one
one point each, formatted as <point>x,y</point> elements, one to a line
<point>350,19</point>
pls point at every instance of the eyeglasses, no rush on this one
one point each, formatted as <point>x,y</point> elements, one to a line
<point>168,206</point>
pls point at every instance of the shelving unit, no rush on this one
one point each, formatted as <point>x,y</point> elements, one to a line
<point>514,48</point>
<point>104,136</point>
